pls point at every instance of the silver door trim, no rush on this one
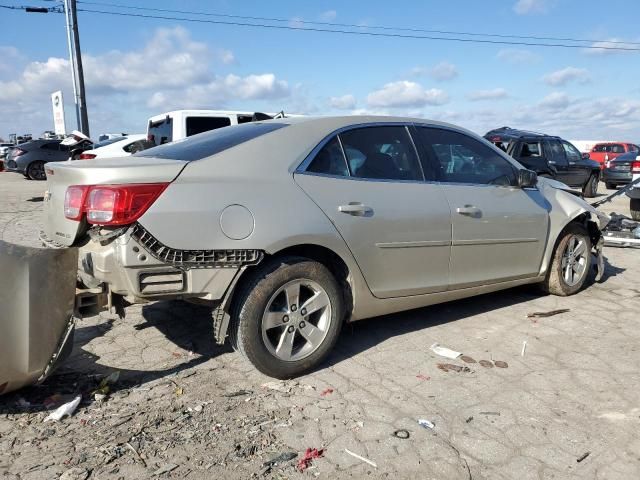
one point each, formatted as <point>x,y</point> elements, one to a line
<point>494,241</point>
<point>416,244</point>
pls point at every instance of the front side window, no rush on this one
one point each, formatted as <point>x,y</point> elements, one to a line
<point>462,159</point>
<point>330,160</point>
<point>384,153</point>
<point>573,155</point>
<point>556,153</point>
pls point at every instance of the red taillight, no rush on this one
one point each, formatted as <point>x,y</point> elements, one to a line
<point>87,156</point>
<point>74,202</point>
<point>111,204</point>
<point>635,167</point>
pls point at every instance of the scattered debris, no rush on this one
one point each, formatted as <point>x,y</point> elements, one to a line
<point>467,359</point>
<point>136,453</point>
<point>307,459</point>
<point>469,419</point>
<point>426,423</point>
<point>169,467</point>
<point>65,410</point>
<point>451,367</point>
<point>282,458</point>
<point>237,393</point>
<point>52,400</point>
<point>402,433</point>
<point>326,391</point>
<point>23,403</point>
<point>501,364</point>
<point>524,348</point>
<point>278,386</point>
<point>444,351</point>
<point>583,456</point>
<point>497,414</point>
<point>550,313</point>
<point>423,377</point>
<point>486,363</point>
<point>365,460</point>
<point>178,391</point>
<point>75,473</point>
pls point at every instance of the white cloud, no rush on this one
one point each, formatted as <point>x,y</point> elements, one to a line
<point>406,94</point>
<point>517,56</point>
<point>170,70</point>
<point>566,75</point>
<point>607,47</point>
<point>493,94</point>
<point>345,102</point>
<point>296,22</point>
<point>525,7</point>
<point>328,16</point>
<point>444,71</point>
<point>555,101</point>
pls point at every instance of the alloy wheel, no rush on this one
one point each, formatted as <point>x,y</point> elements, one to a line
<point>574,260</point>
<point>296,320</point>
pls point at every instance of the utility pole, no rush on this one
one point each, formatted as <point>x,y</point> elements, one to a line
<point>73,39</point>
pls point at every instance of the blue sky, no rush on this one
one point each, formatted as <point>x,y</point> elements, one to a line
<point>138,67</point>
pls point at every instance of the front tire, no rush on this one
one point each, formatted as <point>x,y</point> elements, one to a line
<point>35,170</point>
<point>287,316</point>
<point>590,189</point>
<point>634,206</point>
<point>570,263</point>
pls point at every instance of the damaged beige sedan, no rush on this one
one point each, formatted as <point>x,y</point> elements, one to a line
<point>289,228</point>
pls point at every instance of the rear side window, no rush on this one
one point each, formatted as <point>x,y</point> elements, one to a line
<point>51,146</point>
<point>197,125</point>
<point>330,160</point>
<point>385,153</point>
<point>210,143</point>
<point>161,132</point>
<point>609,148</point>
<point>531,149</point>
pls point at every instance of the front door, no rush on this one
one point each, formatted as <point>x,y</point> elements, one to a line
<point>499,231</point>
<point>579,171</point>
<point>370,184</point>
<point>558,160</point>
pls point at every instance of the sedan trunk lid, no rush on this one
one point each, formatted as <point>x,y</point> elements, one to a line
<point>113,171</point>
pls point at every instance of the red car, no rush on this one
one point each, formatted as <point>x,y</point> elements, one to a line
<point>603,152</point>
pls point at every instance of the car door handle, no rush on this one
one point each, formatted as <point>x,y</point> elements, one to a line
<point>469,210</point>
<point>355,209</point>
<point>572,163</point>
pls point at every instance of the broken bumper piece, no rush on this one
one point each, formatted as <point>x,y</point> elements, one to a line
<point>37,292</point>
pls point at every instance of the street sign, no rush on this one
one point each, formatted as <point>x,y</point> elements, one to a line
<point>58,113</point>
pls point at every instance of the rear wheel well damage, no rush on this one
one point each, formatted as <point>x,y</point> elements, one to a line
<point>323,255</point>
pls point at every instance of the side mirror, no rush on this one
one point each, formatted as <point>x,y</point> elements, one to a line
<point>527,178</point>
<point>586,156</point>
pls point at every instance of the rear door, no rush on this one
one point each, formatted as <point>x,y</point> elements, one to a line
<point>558,160</point>
<point>579,170</point>
<point>499,230</point>
<point>370,184</point>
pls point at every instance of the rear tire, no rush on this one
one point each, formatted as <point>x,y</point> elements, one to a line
<point>35,170</point>
<point>610,186</point>
<point>634,206</point>
<point>570,263</point>
<point>590,188</point>
<point>268,316</point>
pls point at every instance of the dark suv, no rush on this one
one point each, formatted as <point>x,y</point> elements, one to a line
<point>549,156</point>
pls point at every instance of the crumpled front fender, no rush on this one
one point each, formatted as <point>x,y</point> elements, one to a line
<point>37,293</point>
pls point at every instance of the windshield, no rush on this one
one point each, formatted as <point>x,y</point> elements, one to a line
<point>161,132</point>
<point>212,142</point>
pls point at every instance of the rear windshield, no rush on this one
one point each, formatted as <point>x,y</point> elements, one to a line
<point>610,148</point>
<point>209,143</point>
<point>196,125</point>
<point>161,132</point>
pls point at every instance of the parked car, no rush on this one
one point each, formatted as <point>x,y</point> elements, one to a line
<point>289,227</point>
<point>603,152</point>
<point>4,150</point>
<point>117,147</point>
<point>549,156</point>
<point>620,170</point>
<point>179,124</point>
<point>29,158</point>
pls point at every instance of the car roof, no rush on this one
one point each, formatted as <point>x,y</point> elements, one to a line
<point>514,133</point>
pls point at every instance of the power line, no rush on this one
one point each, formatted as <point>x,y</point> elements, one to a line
<point>351,25</point>
<point>361,33</point>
